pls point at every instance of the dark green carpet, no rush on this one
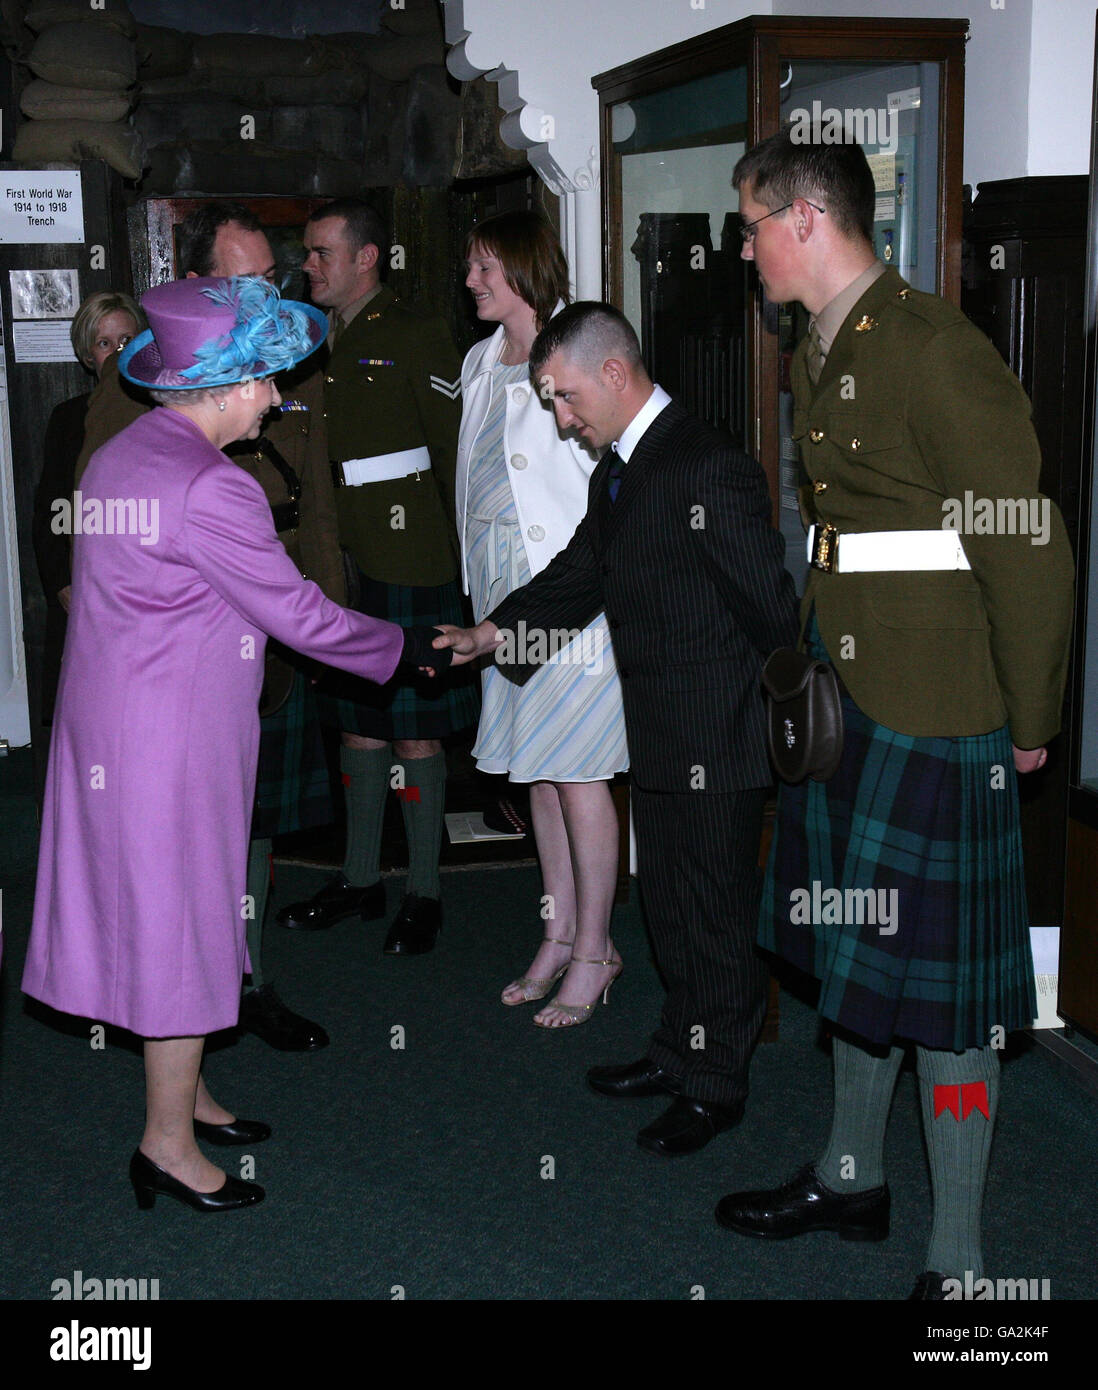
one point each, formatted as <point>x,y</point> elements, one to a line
<point>423,1166</point>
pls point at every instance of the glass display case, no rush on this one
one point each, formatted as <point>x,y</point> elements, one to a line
<point>673,126</point>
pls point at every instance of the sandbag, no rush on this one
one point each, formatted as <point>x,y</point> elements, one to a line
<point>251,55</point>
<point>162,52</point>
<point>397,58</point>
<point>412,17</point>
<point>68,142</point>
<point>85,55</point>
<point>206,167</point>
<point>47,101</point>
<point>44,14</point>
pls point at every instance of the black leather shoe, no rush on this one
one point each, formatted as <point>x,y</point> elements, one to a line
<point>641,1078</point>
<point>687,1126</point>
<point>929,1288</point>
<point>804,1204</point>
<point>149,1182</point>
<point>335,901</point>
<point>415,927</point>
<point>263,1013</point>
<point>235,1132</point>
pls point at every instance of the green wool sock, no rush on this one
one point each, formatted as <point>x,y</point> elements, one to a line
<point>365,784</point>
<point>423,804</point>
<point>864,1083</point>
<point>259,887</point>
<point>956,1089</point>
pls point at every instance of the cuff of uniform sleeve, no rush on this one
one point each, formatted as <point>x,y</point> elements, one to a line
<point>419,652</point>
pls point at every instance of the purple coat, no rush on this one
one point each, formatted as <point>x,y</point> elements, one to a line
<point>138,917</point>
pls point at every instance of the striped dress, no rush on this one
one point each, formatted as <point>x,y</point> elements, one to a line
<point>565,724</point>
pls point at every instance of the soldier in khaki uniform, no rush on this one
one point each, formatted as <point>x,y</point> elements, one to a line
<point>951,643</point>
<point>392,396</point>
<point>290,463</point>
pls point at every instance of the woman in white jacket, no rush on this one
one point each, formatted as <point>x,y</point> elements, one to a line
<point>521,491</point>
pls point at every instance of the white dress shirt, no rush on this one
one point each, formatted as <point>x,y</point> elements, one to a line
<point>631,436</point>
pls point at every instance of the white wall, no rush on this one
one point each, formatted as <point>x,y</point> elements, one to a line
<point>997,67</point>
<point>1060,80</point>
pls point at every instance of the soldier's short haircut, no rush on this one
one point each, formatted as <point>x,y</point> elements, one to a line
<point>363,224</point>
<point>835,175</point>
<point>588,333</point>
<point>530,256</point>
<point>198,232</point>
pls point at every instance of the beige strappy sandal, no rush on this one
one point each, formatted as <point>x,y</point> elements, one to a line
<point>580,1013</point>
<point>532,988</point>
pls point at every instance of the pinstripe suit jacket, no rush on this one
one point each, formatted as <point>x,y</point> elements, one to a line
<point>690,572</point>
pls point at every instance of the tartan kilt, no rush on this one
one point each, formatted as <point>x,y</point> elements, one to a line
<point>293,788</point>
<point>944,956</point>
<point>410,706</point>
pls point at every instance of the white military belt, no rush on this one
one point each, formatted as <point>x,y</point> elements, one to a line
<point>858,552</point>
<point>383,468</point>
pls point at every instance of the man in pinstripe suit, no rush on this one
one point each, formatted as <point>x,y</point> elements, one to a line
<point>677,546</point>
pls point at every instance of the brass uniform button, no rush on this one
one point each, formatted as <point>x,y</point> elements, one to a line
<point>330,380</point>
<point>816,436</point>
<point>866,324</point>
<point>818,487</point>
<point>855,443</point>
<point>903,294</point>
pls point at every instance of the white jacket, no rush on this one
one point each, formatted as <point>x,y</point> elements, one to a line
<point>549,473</point>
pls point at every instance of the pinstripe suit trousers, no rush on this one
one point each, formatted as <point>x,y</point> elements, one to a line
<point>700,886</point>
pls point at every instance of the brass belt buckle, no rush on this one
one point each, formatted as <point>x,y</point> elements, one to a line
<point>825,548</point>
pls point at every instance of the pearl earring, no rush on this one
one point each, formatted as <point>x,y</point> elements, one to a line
<point>221,405</point>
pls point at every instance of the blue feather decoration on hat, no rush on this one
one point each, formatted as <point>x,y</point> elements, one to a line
<point>269,336</point>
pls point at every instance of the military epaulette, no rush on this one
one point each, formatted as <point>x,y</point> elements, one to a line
<point>931,308</point>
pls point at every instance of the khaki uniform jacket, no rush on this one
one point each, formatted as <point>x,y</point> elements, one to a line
<point>915,408</point>
<point>401,531</point>
<point>300,438</point>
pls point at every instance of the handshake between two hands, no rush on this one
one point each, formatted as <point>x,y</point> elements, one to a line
<point>463,643</point>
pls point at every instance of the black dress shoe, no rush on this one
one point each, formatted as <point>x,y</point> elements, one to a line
<point>263,1013</point>
<point>929,1288</point>
<point>687,1126</point>
<point>149,1182</point>
<point>805,1204</point>
<point>643,1078</point>
<point>415,927</point>
<point>335,901</point>
<point>235,1132</point>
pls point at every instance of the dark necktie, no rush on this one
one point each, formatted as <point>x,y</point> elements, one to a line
<point>617,469</point>
<point>816,356</point>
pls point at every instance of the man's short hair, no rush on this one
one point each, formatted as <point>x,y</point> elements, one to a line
<point>588,333</point>
<point>835,175</point>
<point>363,224</point>
<point>198,232</point>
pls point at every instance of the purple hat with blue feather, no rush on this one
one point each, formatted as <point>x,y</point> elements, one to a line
<point>217,331</point>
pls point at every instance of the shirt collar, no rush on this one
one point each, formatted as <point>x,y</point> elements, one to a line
<point>355,307</point>
<point>635,430</point>
<point>833,315</point>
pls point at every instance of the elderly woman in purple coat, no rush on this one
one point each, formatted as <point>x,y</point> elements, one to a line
<point>178,579</point>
